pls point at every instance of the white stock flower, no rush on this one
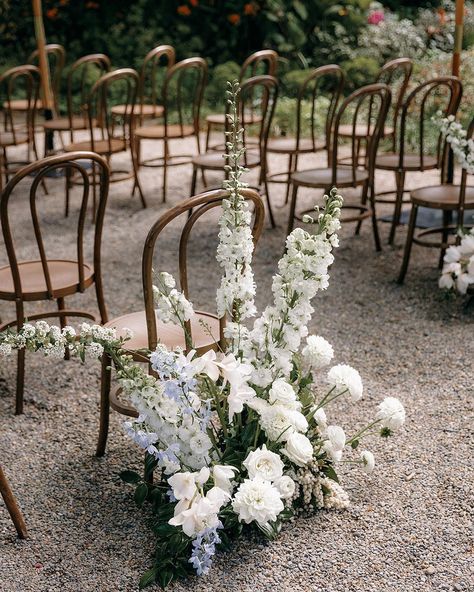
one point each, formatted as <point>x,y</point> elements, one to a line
<point>317,352</point>
<point>264,463</point>
<point>257,500</point>
<point>298,449</point>
<point>344,378</point>
<point>286,486</point>
<point>368,461</point>
<point>391,413</point>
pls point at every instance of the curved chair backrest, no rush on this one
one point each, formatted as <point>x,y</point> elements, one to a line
<point>185,80</point>
<point>443,94</point>
<point>396,74</point>
<point>376,99</point>
<point>464,175</point>
<point>257,101</point>
<point>74,161</point>
<point>192,209</point>
<point>25,81</point>
<point>265,60</point>
<point>148,73</point>
<point>324,81</point>
<point>124,82</point>
<point>57,59</point>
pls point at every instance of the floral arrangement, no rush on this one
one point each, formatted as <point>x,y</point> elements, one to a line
<point>237,438</point>
<point>456,136</point>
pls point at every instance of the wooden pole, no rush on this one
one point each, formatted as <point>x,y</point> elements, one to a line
<point>458,33</point>
<point>12,506</point>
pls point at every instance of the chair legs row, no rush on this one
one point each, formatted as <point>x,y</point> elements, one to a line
<point>12,506</point>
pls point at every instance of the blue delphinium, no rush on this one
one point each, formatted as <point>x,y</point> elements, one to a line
<point>204,548</point>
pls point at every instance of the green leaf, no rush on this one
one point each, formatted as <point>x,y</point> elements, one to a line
<point>130,477</point>
<point>165,577</point>
<point>149,577</point>
<point>300,9</point>
<point>355,444</point>
<point>331,473</point>
<point>140,494</point>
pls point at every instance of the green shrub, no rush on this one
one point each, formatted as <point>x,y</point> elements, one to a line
<point>360,71</point>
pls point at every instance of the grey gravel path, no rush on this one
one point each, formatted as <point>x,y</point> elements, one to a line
<point>409,527</point>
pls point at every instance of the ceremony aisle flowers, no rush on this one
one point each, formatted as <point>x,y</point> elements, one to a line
<point>238,438</point>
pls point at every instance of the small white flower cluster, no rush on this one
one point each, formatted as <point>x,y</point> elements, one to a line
<point>456,136</point>
<point>171,304</point>
<point>458,268</point>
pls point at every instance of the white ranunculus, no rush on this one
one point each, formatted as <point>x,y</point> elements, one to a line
<point>264,463</point>
<point>282,392</point>
<point>317,352</point>
<point>391,413</point>
<point>286,486</point>
<point>344,378</point>
<point>335,443</point>
<point>183,485</point>
<point>277,421</point>
<point>257,500</point>
<point>298,449</point>
<point>321,419</point>
<point>223,475</point>
<point>368,461</point>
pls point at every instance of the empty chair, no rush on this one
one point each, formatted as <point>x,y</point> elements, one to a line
<point>12,506</point>
<point>49,278</point>
<point>452,200</point>
<point>261,62</point>
<point>439,94</point>
<point>17,128</point>
<point>324,83</point>
<point>374,98</point>
<point>257,101</point>
<point>182,95</point>
<point>205,329</point>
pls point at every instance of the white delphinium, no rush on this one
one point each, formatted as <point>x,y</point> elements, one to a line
<point>257,500</point>
<point>343,378</point>
<point>264,463</point>
<point>456,136</point>
<point>391,414</point>
<point>317,352</point>
<point>171,305</point>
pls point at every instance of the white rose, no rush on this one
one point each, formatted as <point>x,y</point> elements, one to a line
<point>264,463</point>
<point>257,500</point>
<point>282,392</point>
<point>391,413</point>
<point>368,461</point>
<point>286,486</point>
<point>298,449</point>
<point>317,352</point>
<point>344,378</point>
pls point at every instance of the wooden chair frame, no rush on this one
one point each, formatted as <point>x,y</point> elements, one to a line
<point>59,55</point>
<point>12,506</point>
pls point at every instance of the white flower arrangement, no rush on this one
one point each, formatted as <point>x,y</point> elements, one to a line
<point>238,438</point>
<point>456,136</point>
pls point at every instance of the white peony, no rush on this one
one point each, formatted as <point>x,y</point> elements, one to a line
<point>368,461</point>
<point>264,463</point>
<point>344,378</point>
<point>286,486</point>
<point>317,352</point>
<point>391,413</point>
<point>277,421</point>
<point>257,500</point>
<point>298,449</point>
<point>282,392</point>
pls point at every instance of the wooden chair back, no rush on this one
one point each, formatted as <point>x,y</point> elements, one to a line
<point>21,81</point>
<point>261,62</point>
<point>56,55</point>
<point>192,209</point>
<point>149,80</point>
<point>73,161</point>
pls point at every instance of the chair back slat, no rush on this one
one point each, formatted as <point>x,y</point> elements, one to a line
<point>149,84</point>
<point>21,81</point>
<point>261,62</point>
<point>56,55</point>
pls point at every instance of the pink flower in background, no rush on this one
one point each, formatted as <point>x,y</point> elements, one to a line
<point>376,17</point>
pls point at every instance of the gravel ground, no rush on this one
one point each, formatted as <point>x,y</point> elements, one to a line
<point>409,525</point>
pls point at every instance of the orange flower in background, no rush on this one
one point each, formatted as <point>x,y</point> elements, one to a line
<point>92,5</point>
<point>441,16</point>
<point>194,2</point>
<point>183,10</point>
<point>234,19</point>
<point>249,9</point>
<point>63,2</point>
<point>52,13</point>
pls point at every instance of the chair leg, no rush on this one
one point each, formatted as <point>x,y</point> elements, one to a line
<point>408,244</point>
<point>208,135</point>
<point>68,189</point>
<point>269,205</point>
<point>165,169</point>
<point>136,180</point>
<point>291,217</point>
<point>105,380</point>
<point>193,182</point>
<point>363,201</point>
<point>20,382</point>
<point>400,181</point>
<point>375,228</point>
<point>288,178</point>
<point>447,219</point>
<point>63,322</point>
<point>12,506</point>
<point>99,292</point>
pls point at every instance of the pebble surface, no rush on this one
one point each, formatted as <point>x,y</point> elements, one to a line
<point>409,526</point>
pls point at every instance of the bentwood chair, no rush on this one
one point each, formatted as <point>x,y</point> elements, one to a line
<point>339,175</point>
<point>327,83</point>
<point>451,200</point>
<point>396,75</point>
<point>48,278</point>
<point>12,506</point>
<point>150,84</point>
<point>261,62</point>
<point>182,95</point>
<point>438,94</point>
<point>205,329</point>
<point>56,55</point>
<point>108,137</point>
<point>82,74</point>
<point>18,129</point>
<point>257,101</point>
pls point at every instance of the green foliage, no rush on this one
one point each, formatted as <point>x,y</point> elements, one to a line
<point>359,71</point>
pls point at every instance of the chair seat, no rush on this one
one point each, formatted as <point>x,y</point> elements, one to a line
<point>7,139</point>
<point>64,276</point>
<point>441,197</point>
<point>219,118</point>
<point>288,145</point>
<point>347,131</point>
<point>143,110</point>
<point>323,177</point>
<point>100,146</point>
<point>155,132</point>
<point>21,104</point>
<point>215,160</point>
<point>411,162</point>
<point>63,124</point>
<point>169,334</point>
